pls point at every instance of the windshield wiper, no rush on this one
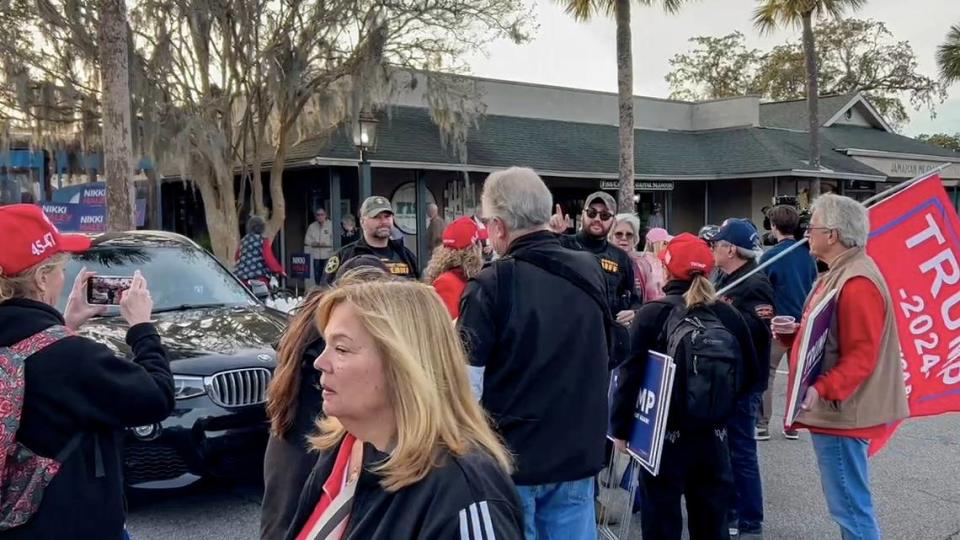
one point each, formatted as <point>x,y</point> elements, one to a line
<point>188,307</point>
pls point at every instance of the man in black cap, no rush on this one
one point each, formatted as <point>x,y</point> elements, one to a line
<point>597,220</point>
<point>376,221</point>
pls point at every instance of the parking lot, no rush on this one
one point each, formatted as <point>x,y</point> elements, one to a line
<point>916,484</point>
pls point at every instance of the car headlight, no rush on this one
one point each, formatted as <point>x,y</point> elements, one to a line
<point>188,387</point>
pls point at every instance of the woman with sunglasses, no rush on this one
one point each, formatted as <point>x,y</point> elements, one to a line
<point>647,268</point>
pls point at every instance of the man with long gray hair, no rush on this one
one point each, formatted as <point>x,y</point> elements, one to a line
<point>534,323</point>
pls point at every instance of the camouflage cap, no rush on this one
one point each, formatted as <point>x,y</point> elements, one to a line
<point>604,198</point>
<point>373,206</point>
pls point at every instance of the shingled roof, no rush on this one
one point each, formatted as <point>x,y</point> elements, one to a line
<point>793,114</point>
<point>409,138</point>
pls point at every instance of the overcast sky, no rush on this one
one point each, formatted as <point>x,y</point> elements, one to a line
<point>567,53</point>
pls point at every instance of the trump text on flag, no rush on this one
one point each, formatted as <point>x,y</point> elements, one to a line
<point>915,243</point>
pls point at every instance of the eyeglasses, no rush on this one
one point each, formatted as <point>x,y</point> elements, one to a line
<point>621,234</point>
<point>592,213</point>
<point>807,233</point>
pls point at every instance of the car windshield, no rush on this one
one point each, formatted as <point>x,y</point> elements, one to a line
<point>177,276</point>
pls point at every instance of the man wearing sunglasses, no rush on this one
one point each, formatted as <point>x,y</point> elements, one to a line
<point>597,220</point>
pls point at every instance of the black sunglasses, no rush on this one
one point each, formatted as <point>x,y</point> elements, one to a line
<point>621,234</point>
<point>592,213</point>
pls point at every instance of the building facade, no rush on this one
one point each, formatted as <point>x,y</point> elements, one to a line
<point>695,162</point>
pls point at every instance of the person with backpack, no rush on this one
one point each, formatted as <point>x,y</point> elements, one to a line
<point>535,323</point>
<point>711,347</point>
<point>65,398</point>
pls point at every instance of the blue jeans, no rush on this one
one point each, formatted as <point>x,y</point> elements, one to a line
<point>748,497</point>
<point>562,511</point>
<point>846,485</point>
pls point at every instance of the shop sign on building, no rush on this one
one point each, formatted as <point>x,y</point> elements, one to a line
<point>613,185</point>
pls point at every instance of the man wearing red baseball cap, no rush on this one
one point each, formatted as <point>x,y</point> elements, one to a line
<point>695,460</point>
<point>79,394</point>
<point>455,261</point>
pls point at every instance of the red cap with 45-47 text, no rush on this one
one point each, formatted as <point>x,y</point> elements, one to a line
<point>29,238</point>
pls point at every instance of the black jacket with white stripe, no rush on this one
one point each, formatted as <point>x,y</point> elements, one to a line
<point>465,498</point>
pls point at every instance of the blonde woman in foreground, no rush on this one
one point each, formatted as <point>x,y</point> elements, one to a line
<point>406,450</point>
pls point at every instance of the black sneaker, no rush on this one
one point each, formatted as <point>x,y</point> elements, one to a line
<point>791,434</point>
<point>762,434</point>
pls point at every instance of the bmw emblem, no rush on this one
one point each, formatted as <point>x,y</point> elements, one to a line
<point>264,357</point>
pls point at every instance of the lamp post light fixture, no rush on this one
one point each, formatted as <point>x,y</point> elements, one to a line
<point>365,138</point>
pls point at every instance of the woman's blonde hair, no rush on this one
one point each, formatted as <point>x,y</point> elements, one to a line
<point>427,384</point>
<point>24,284</point>
<point>655,247</point>
<point>469,260</point>
<point>283,394</point>
<point>701,292</point>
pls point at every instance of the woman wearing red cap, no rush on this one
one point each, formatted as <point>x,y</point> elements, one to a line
<point>695,460</point>
<point>455,262</point>
<point>76,395</point>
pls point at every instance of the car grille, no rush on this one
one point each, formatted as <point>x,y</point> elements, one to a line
<point>241,387</point>
<point>150,462</point>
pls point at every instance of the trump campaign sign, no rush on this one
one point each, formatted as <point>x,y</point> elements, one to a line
<point>915,241</point>
<point>650,412</point>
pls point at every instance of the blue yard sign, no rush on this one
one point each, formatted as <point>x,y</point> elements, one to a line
<point>650,412</point>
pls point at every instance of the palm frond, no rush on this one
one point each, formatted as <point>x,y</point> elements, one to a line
<point>584,10</point>
<point>670,6</point>
<point>837,8</point>
<point>772,14</point>
<point>948,56</point>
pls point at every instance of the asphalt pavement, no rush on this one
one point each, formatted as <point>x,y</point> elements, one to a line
<point>916,487</point>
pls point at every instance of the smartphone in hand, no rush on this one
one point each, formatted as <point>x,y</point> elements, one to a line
<point>107,290</point>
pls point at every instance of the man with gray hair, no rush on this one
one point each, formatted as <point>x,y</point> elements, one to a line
<point>735,250</point>
<point>860,389</point>
<point>535,326</point>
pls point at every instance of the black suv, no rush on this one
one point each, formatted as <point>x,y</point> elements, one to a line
<point>220,339</point>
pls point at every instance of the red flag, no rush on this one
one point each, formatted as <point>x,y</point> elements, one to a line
<point>915,241</point>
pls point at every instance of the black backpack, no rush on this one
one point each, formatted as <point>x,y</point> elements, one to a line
<point>709,357</point>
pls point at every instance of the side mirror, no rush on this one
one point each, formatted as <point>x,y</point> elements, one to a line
<point>260,290</point>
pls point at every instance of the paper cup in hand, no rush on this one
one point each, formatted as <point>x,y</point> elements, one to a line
<point>783,324</point>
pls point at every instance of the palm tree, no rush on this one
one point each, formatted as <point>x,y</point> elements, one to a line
<point>771,14</point>
<point>585,10</point>
<point>948,56</point>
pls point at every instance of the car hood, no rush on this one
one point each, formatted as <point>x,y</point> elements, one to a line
<point>203,341</point>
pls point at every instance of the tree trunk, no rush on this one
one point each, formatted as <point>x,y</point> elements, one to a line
<point>810,52</point>
<point>625,91</point>
<point>278,205</point>
<point>117,143</point>
<point>220,209</point>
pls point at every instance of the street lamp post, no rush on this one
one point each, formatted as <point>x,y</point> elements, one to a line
<point>364,138</point>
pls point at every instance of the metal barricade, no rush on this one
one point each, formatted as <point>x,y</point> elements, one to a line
<point>616,497</point>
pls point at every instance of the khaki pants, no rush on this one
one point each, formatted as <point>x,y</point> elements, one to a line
<point>777,352</point>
